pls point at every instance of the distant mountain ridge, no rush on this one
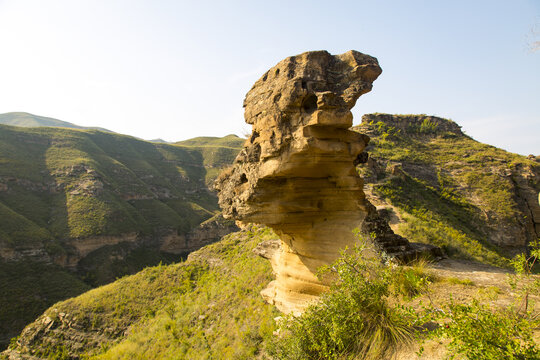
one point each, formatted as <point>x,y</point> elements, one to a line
<point>24,119</point>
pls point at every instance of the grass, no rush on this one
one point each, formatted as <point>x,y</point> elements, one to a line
<point>73,183</point>
<point>195,325</point>
<point>18,230</point>
<point>458,281</point>
<point>231,141</point>
<point>215,151</point>
<point>208,307</point>
<point>449,223</point>
<point>27,289</point>
<point>116,261</point>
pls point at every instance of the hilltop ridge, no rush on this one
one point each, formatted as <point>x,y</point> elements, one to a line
<point>24,119</point>
<point>410,124</point>
<point>441,181</point>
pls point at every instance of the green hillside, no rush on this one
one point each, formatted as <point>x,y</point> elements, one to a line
<point>208,307</point>
<point>29,120</point>
<point>61,183</point>
<point>97,205</point>
<point>474,200</point>
<point>28,288</point>
<point>231,141</point>
<point>215,151</point>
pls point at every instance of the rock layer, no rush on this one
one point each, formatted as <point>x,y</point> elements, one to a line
<point>296,172</point>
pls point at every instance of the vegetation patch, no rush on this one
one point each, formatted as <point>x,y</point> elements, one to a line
<point>358,318</point>
<point>61,186</point>
<point>205,308</point>
<point>27,289</point>
<point>65,183</point>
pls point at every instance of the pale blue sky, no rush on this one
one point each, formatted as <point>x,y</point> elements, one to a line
<point>180,69</point>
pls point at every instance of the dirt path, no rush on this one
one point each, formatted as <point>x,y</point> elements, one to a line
<point>462,281</point>
<point>480,274</point>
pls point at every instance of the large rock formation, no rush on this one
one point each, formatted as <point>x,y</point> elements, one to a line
<point>296,173</point>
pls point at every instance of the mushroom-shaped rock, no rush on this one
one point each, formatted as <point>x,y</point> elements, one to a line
<point>296,172</point>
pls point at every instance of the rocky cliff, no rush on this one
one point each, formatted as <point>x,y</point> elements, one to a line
<point>445,188</point>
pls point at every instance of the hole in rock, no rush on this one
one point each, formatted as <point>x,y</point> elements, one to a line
<point>310,103</point>
<point>277,72</point>
<point>362,158</point>
<point>253,136</point>
<point>243,179</point>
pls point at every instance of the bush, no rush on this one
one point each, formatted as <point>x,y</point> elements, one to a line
<point>428,126</point>
<point>363,315</point>
<point>479,332</point>
<point>413,280</point>
<point>355,319</point>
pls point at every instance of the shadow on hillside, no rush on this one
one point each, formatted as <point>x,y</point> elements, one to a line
<point>95,184</point>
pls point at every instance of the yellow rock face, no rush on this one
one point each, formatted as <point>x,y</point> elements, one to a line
<point>296,172</point>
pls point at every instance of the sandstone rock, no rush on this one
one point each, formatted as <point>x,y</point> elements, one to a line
<point>296,172</point>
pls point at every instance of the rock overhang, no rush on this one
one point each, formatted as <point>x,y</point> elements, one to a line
<point>296,172</point>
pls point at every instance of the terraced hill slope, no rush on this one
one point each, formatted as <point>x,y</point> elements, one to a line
<point>95,206</point>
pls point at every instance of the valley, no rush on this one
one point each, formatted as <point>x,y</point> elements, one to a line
<point>92,206</point>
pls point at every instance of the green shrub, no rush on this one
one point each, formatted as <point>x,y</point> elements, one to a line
<point>428,126</point>
<point>355,319</point>
<point>478,332</point>
<point>413,280</point>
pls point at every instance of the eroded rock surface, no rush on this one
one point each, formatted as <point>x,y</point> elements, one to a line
<point>296,172</point>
